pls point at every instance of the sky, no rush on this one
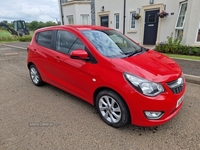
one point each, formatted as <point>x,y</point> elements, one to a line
<point>29,10</point>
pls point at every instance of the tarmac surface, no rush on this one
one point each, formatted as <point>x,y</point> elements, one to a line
<point>48,118</point>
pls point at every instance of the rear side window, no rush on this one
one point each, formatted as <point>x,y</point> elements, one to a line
<point>44,38</point>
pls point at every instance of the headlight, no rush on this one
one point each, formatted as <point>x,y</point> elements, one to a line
<point>144,86</point>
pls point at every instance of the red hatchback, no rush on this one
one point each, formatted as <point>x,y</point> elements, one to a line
<point>124,81</point>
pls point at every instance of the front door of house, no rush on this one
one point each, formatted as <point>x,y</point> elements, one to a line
<point>104,21</point>
<point>150,27</point>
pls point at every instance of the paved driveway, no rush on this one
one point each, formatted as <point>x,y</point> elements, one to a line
<point>48,118</point>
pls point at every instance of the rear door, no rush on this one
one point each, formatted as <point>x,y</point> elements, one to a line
<point>42,54</point>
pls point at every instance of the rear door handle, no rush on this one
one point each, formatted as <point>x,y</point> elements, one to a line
<point>34,51</point>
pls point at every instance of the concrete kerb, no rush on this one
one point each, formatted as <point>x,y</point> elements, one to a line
<point>185,59</point>
<point>192,78</point>
<point>188,77</point>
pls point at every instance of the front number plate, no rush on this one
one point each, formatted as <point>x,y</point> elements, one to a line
<point>180,100</point>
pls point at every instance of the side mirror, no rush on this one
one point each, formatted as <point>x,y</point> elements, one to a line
<point>79,54</point>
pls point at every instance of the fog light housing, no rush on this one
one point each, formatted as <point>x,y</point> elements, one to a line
<point>153,115</point>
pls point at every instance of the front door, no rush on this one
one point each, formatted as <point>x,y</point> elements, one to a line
<point>73,75</point>
<point>104,21</point>
<point>150,27</point>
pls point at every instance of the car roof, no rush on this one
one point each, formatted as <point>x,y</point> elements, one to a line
<point>89,27</point>
<point>77,27</point>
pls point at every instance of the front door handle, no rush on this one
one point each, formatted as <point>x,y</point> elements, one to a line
<point>57,58</point>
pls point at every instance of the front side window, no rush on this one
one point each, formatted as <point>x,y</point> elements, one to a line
<point>132,20</point>
<point>85,19</point>
<point>70,19</point>
<point>44,38</point>
<point>67,42</point>
<point>116,21</point>
<point>111,43</point>
<point>77,45</point>
<point>64,41</point>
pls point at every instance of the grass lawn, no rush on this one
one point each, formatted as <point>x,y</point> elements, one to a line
<point>4,33</point>
<point>5,36</point>
<point>183,56</point>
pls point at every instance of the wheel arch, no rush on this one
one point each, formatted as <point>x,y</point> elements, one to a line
<point>41,78</point>
<point>29,64</point>
<point>107,88</point>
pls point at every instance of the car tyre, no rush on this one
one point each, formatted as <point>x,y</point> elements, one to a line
<point>35,75</point>
<point>112,108</point>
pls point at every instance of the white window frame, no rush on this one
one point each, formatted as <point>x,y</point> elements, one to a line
<point>68,17</point>
<point>115,15</point>
<point>181,28</point>
<point>131,19</point>
<point>83,15</point>
<point>197,33</point>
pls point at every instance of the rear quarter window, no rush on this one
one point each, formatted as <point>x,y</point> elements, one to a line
<point>44,38</point>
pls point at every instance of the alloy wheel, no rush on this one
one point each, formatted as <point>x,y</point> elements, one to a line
<point>110,109</point>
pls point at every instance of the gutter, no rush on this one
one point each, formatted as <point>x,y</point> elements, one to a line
<point>61,12</point>
<point>124,17</point>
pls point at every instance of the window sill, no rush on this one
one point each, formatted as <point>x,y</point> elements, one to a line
<point>132,31</point>
<point>197,44</point>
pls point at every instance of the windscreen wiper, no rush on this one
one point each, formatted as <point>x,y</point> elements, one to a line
<point>130,54</point>
<point>144,49</point>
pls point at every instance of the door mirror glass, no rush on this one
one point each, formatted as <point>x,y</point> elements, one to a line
<point>79,54</point>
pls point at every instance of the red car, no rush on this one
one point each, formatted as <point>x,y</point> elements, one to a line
<point>124,81</point>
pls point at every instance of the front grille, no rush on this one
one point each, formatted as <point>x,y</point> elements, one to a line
<point>177,89</point>
<point>177,85</point>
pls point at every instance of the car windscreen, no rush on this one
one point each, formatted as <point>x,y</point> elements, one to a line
<point>112,43</point>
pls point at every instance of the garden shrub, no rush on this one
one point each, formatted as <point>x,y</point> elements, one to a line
<point>196,51</point>
<point>174,46</point>
<point>185,49</point>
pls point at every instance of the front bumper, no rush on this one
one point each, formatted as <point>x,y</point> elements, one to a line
<point>165,102</point>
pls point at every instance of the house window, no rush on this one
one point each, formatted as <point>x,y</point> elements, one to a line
<point>198,34</point>
<point>132,20</point>
<point>70,19</point>
<point>181,19</point>
<point>116,21</point>
<point>85,19</point>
